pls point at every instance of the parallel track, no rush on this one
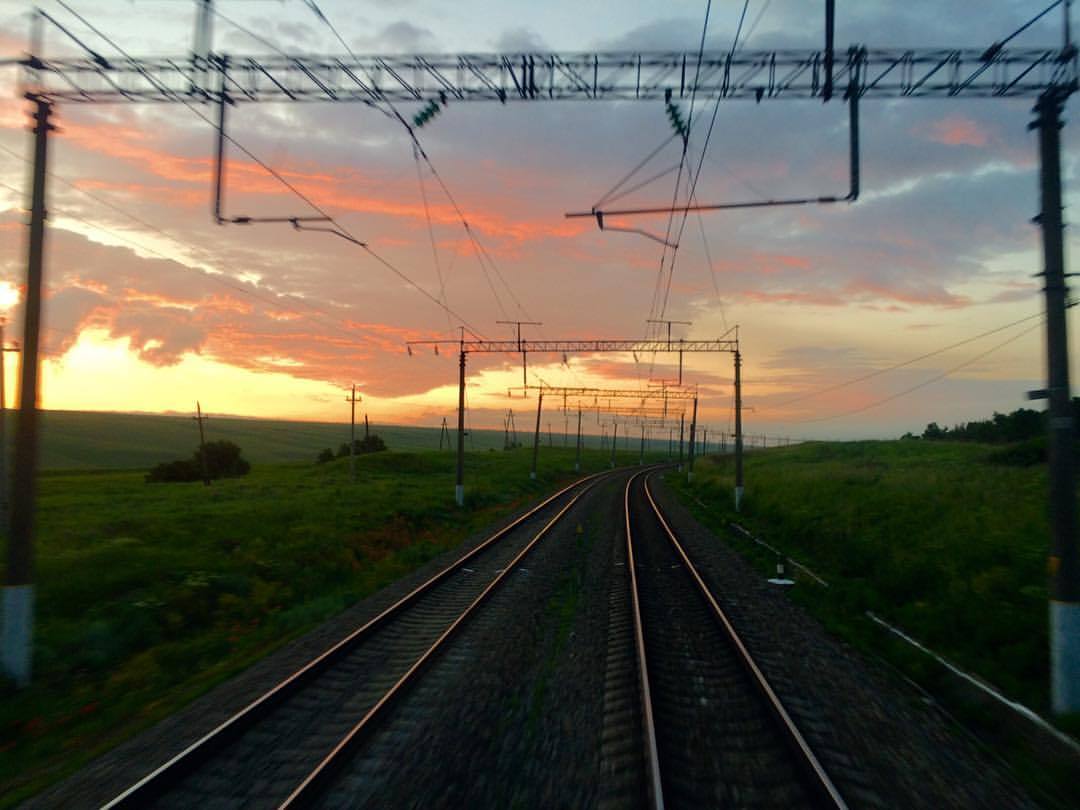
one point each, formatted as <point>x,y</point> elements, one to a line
<point>281,749</point>
<point>714,731</point>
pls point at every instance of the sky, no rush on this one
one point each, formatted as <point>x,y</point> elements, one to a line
<point>151,306</point>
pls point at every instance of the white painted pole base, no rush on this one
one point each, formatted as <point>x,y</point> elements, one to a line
<point>532,475</point>
<point>689,477</point>
<point>738,498</point>
<point>1065,657</point>
<point>459,494</point>
<point>577,468</point>
<point>17,633</point>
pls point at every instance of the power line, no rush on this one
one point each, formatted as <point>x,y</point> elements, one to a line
<point>477,246</point>
<point>341,230</point>
<point>216,277</point>
<point>904,363</point>
<point>930,381</point>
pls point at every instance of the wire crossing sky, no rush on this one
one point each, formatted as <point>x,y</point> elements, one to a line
<point>150,304</point>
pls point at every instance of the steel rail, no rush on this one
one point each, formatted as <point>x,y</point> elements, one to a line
<point>815,777</point>
<point>648,725</point>
<point>309,790</point>
<point>161,778</point>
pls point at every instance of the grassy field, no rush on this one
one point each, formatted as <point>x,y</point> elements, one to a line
<point>936,537</point>
<point>149,594</point>
<point>78,440</point>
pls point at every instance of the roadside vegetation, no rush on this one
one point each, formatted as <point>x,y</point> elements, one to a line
<point>941,538</point>
<point>148,596</point>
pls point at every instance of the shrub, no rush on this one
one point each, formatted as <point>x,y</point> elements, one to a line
<point>223,460</point>
<point>369,444</point>
<point>325,455</point>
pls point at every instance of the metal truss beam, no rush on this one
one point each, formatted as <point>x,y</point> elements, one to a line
<point>622,76</point>
<point>609,393</point>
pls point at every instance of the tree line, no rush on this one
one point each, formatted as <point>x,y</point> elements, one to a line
<point>1021,425</point>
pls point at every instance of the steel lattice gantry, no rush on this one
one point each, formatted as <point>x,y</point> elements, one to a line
<point>612,76</point>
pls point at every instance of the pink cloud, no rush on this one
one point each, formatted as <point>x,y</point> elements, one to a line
<point>956,130</point>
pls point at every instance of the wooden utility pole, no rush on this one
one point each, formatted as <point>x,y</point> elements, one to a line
<point>367,428</point>
<point>198,417</point>
<point>16,633</point>
<point>1064,561</point>
<point>352,399</point>
<point>444,433</point>
<point>536,435</point>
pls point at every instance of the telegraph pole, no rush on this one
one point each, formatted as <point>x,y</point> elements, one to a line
<point>445,433</point>
<point>1064,562</point>
<point>352,399</point>
<point>16,634</point>
<point>577,461</point>
<point>705,441</point>
<point>198,417</point>
<point>738,432</point>
<point>536,435</point>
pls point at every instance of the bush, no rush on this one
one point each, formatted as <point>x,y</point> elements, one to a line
<point>369,444</point>
<point>223,460</point>
<point>325,455</point>
<point>180,470</point>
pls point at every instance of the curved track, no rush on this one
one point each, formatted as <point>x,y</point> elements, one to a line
<point>714,731</point>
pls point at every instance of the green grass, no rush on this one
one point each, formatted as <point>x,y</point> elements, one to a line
<point>150,594</point>
<point>933,536</point>
<point>77,440</point>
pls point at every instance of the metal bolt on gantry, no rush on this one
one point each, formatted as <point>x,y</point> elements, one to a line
<point>1049,74</point>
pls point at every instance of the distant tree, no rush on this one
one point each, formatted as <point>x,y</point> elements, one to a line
<point>369,444</point>
<point>223,460</point>
<point>908,436</point>
<point>933,431</point>
<point>325,455</point>
<point>171,471</point>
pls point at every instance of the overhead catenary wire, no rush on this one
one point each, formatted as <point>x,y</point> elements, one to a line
<point>395,113</point>
<point>316,314</point>
<point>340,229</point>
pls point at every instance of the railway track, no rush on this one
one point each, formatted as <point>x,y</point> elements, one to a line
<point>283,748</point>
<point>713,731</point>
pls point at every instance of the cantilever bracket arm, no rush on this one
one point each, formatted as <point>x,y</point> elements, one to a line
<point>856,58</point>
<point>219,169</point>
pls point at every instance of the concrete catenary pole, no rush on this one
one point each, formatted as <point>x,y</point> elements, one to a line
<point>459,487</point>
<point>536,435</point>
<point>614,441</point>
<point>577,461</point>
<point>693,441</point>
<point>17,630</point>
<point>1064,565</point>
<point>682,427</point>
<point>738,432</point>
